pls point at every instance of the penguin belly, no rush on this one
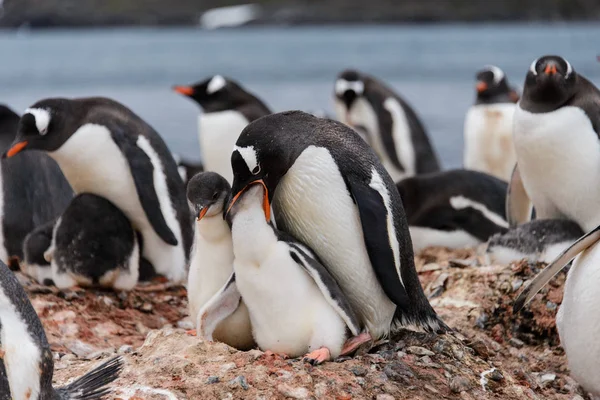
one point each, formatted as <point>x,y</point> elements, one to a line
<point>218,133</point>
<point>210,268</point>
<point>289,313</point>
<point>578,321</point>
<point>93,163</point>
<point>488,139</point>
<point>313,204</point>
<point>559,161</point>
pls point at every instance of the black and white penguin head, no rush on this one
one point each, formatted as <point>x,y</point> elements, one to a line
<point>492,86</point>
<point>216,93</point>
<point>551,80</point>
<point>207,194</point>
<point>349,86</point>
<point>46,126</point>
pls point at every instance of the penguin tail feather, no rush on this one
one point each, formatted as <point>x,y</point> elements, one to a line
<point>93,384</point>
<point>430,323</point>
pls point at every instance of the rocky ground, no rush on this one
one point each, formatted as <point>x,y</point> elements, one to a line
<point>492,354</point>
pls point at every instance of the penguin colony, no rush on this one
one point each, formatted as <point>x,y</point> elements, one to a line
<point>306,267</point>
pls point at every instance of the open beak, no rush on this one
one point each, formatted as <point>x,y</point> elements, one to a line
<point>16,148</point>
<point>550,69</point>
<point>184,90</point>
<point>202,212</point>
<point>481,87</point>
<point>266,204</point>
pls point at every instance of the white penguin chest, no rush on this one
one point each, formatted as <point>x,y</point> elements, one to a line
<point>218,132</point>
<point>559,160</point>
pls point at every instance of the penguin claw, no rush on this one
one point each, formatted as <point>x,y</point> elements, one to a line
<point>318,356</point>
<point>355,342</point>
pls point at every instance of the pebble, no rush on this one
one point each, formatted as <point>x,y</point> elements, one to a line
<point>495,375</point>
<point>241,381</point>
<point>293,392</point>
<point>384,397</point>
<point>547,378</point>
<point>141,328</point>
<point>459,384</point>
<point>99,354</point>
<point>107,301</point>
<point>125,349</point>
<point>212,379</point>
<point>68,357</point>
<point>146,307</point>
<point>481,349</point>
<point>228,367</point>
<point>359,370</point>
<point>398,371</point>
<point>482,320</point>
<point>80,348</point>
<point>420,351</point>
<point>62,316</point>
<point>518,343</point>
<point>516,284</point>
<point>551,306</point>
<point>185,324</point>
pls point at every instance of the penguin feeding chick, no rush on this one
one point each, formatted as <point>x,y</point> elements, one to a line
<point>329,190</point>
<point>103,148</point>
<point>489,124</point>
<point>392,127</point>
<point>212,260</point>
<point>26,363</point>
<point>296,306</point>
<point>228,108</point>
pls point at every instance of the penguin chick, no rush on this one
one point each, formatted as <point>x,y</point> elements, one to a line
<point>35,246</point>
<point>212,259</point>
<point>296,307</point>
<point>26,365</point>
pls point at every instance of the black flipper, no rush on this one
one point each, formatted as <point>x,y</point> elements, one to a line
<point>142,171</point>
<point>93,384</point>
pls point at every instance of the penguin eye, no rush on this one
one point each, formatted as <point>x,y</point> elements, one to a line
<point>256,169</point>
<point>215,196</point>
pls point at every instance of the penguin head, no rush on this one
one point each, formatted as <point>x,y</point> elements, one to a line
<point>207,194</point>
<point>216,93</point>
<point>43,126</point>
<point>550,80</point>
<point>492,86</point>
<point>349,86</point>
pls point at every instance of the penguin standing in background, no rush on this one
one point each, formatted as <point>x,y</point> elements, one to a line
<point>212,260</point>
<point>227,109</point>
<point>392,127</point>
<point>489,124</point>
<point>26,365</point>
<point>33,191</point>
<point>329,190</point>
<point>296,306</point>
<point>455,209</point>
<point>187,169</point>
<point>105,149</point>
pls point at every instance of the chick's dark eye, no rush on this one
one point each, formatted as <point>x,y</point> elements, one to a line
<point>215,195</point>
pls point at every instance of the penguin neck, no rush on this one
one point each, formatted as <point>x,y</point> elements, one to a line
<point>213,228</point>
<point>252,235</point>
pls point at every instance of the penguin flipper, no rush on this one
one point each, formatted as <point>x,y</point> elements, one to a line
<point>540,280</point>
<point>93,384</point>
<point>142,170</point>
<point>518,205</point>
<point>218,308</point>
<point>327,285</point>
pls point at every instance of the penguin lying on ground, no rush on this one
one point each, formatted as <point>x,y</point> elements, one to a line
<point>455,209</point>
<point>26,363</point>
<point>489,124</point>
<point>541,240</point>
<point>212,259</point>
<point>227,109</point>
<point>392,127</point>
<point>105,149</point>
<point>295,305</point>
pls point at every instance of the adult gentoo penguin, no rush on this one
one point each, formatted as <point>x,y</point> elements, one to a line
<point>212,259</point>
<point>329,190</point>
<point>392,127</point>
<point>228,108</point>
<point>103,148</point>
<point>296,306</point>
<point>26,203</point>
<point>455,209</point>
<point>577,319</point>
<point>556,128</point>
<point>26,365</point>
<point>489,124</point>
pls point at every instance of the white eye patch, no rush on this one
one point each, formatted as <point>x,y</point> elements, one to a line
<point>250,157</point>
<point>342,85</point>
<point>216,83</point>
<point>498,73</point>
<point>42,119</point>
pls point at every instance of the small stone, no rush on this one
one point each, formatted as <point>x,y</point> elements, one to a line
<point>459,384</point>
<point>68,357</point>
<point>458,353</point>
<point>359,370</point>
<point>99,354</point>
<point>212,379</point>
<point>146,307</point>
<point>361,381</point>
<point>56,356</point>
<point>430,267</point>
<point>551,306</point>
<point>420,351</point>
<point>495,375</point>
<point>125,349</point>
<point>123,296</point>
<point>481,349</point>
<point>443,347</point>
<point>398,371</point>
<point>107,301</point>
<point>577,397</point>
<point>384,397</point>
<point>293,392</point>
<point>63,316</point>
<point>431,389</point>
<point>518,343</point>
<point>185,324</point>
<point>80,348</point>
<point>228,367</point>
<point>482,320</point>
<point>254,354</point>
<point>401,354</point>
<point>547,378</point>
<point>239,380</point>
<point>68,295</point>
<point>516,284</point>
<point>141,328</point>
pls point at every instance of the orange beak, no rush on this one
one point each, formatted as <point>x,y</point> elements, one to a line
<point>550,69</point>
<point>202,213</point>
<point>184,90</point>
<point>481,87</point>
<point>266,204</point>
<point>16,148</point>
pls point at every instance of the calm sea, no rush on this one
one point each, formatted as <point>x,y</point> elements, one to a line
<point>432,66</point>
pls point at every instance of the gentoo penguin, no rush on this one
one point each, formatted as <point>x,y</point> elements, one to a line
<point>296,306</point>
<point>556,128</point>
<point>393,128</point>
<point>212,258</point>
<point>329,190</point>
<point>35,245</point>
<point>489,124</point>
<point>186,168</point>
<point>26,365</point>
<point>577,319</point>
<point>455,209</point>
<point>26,203</point>
<point>228,108</point>
<point>105,149</point>
<point>541,240</point>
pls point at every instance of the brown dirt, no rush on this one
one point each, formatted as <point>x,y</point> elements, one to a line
<point>164,362</point>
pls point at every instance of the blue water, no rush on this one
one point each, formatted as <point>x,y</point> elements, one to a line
<point>432,66</point>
